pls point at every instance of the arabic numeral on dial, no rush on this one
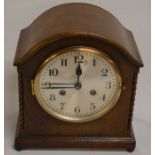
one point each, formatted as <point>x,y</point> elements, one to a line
<point>92,106</point>
<point>77,109</point>
<point>108,85</point>
<point>62,105</point>
<point>102,97</point>
<point>52,97</point>
<point>79,59</point>
<point>104,72</point>
<point>64,62</point>
<point>53,72</point>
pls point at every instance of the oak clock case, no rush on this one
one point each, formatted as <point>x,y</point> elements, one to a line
<point>77,80</point>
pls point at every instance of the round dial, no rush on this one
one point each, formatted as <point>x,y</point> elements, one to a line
<point>77,84</point>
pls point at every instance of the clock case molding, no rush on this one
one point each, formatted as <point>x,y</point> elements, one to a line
<point>63,26</point>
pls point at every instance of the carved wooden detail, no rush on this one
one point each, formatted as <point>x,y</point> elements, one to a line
<point>134,82</point>
<point>21,101</point>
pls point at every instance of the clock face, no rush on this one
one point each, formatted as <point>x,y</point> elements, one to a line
<point>77,84</point>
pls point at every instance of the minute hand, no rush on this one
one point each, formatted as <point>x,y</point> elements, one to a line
<point>63,87</point>
<point>61,83</point>
<point>57,85</point>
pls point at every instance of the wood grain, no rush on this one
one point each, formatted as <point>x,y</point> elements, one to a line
<point>72,20</point>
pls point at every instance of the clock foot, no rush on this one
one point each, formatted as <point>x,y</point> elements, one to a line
<point>17,148</point>
<point>18,144</point>
<point>131,147</point>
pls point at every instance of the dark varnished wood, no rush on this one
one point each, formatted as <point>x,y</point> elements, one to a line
<point>56,29</point>
<point>72,20</point>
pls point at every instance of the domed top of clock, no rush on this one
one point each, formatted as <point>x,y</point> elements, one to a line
<point>75,20</point>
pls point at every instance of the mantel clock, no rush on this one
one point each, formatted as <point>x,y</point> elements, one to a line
<point>77,70</point>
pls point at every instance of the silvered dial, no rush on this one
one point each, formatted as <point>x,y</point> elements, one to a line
<point>77,84</point>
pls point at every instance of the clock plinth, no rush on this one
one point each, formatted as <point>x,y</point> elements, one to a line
<point>73,142</point>
<point>39,127</point>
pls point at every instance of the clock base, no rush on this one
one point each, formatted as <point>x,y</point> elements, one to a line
<point>97,143</point>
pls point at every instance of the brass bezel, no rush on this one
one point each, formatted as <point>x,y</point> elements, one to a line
<point>55,114</point>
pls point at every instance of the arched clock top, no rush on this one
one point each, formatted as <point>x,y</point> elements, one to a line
<point>72,20</point>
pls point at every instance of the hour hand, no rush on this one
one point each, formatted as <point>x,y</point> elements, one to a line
<point>78,73</point>
<point>78,70</point>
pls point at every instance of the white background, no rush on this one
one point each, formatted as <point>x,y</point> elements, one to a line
<point>133,14</point>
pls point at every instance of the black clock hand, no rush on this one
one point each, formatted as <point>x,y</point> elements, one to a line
<point>78,73</point>
<point>60,83</point>
<point>48,85</point>
<point>57,87</point>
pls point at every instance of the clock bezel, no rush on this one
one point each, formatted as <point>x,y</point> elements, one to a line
<point>65,118</point>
